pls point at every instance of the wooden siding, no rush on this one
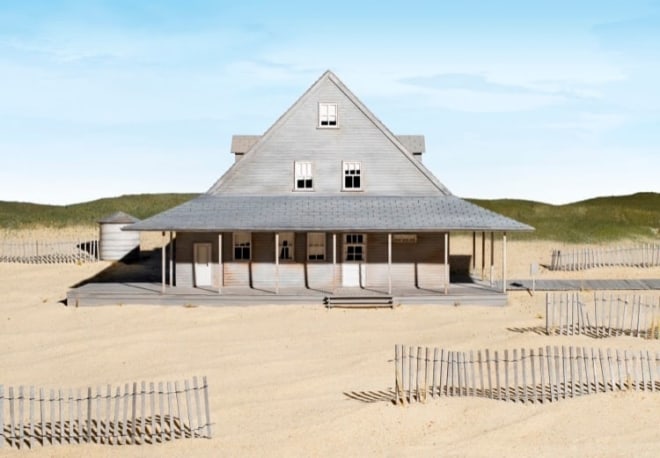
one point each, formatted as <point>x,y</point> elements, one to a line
<point>417,264</point>
<point>268,169</point>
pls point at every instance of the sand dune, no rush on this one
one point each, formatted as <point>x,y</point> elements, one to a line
<point>284,379</point>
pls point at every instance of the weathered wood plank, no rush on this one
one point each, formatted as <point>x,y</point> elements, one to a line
<point>209,431</point>
<point>397,374</point>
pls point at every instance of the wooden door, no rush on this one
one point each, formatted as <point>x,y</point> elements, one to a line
<point>202,273</point>
<point>354,269</point>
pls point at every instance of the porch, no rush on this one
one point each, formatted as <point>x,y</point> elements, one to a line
<point>94,294</point>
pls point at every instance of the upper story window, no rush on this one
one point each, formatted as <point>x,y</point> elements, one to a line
<point>352,176</point>
<point>327,115</point>
<point>303,179</point>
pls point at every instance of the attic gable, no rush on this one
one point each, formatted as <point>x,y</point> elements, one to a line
<point>388,166</point>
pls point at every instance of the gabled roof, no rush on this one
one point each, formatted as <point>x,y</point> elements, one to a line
<point>329,76</point>
<point>209,213</point>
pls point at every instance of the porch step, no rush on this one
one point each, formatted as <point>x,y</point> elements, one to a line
<point>358,301</point>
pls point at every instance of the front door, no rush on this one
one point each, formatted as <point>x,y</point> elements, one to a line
<point>354,267</point>
<point>202,264</point>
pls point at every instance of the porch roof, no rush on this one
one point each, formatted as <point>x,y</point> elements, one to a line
<point>349,212</point>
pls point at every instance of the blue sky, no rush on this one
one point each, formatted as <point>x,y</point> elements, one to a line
<point>545,100</point>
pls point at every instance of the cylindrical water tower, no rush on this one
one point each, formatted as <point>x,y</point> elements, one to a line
<point>115,243</point>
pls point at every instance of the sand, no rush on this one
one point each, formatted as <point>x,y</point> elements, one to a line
<point>284,379</point>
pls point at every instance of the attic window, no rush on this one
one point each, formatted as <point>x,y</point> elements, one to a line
<point>303,178</point>
<point>327,115</point>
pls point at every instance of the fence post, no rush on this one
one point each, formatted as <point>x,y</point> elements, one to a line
<point>12,431</point>
<point>208,414</point>
<point>497,375</point>
<point>88,436</point>
<point>21,406</point>
<point>506,375</point>
<point>418,374</point>
<point>2,416</point>
<point>133,413</point>
<point>436,368</point>
<point>547,314</point>
<point>152,405</point>
<point>459,363</point>
<point>397,373</point>
<point>177,398</point>
<point>648,362</point>
<point>186,387</point>
<point>427,373</point>
<point>490,380</point>
<point>474,386</point>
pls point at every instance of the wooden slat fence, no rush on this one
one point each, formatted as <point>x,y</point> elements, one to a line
<point>608,315</point>
<point>136,414</point>
<point>642,255</point>
<point>31,251</point>
<point>539,375</point>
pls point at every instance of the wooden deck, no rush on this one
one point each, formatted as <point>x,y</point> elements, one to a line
<point>92,294</point>
<point>585,285</point>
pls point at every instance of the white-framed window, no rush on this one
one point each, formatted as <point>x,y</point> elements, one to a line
<point>242,242</point>
<point>316,246</point>
<point>355,247</point>
<point>303,179</point>
<point>352,176</point>
<point>286,244</point>
<point>327,114</point>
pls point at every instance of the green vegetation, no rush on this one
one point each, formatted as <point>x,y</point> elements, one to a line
<point>602,219</point>
<point>595,220</point>
<point>21,215</point>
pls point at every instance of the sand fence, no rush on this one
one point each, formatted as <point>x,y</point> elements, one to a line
<point>520,375</point>
<point>605,316</point>
<point>136,414</point>
<point>641,255</point>
<point>73,250</point>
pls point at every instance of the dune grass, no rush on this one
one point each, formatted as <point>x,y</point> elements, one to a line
<point>21,215</point>
<point>603,219</point>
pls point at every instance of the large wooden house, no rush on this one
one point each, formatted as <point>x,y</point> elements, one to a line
<point>327,199</point>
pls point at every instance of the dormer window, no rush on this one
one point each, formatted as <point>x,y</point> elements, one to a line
<point>327,114</point>
<point>303,178</point>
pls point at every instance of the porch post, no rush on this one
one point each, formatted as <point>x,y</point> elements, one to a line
<point>221,266</point>
<point>446,262</point>
<point>334,262</point>
<point>171,263</point>
<point>277,262</point>
<point>492,256</point>
<point>389,263</point>
<point>483,256</point>
<point>474,251</point>
<point>504,262</point>
<point>162,262</point>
